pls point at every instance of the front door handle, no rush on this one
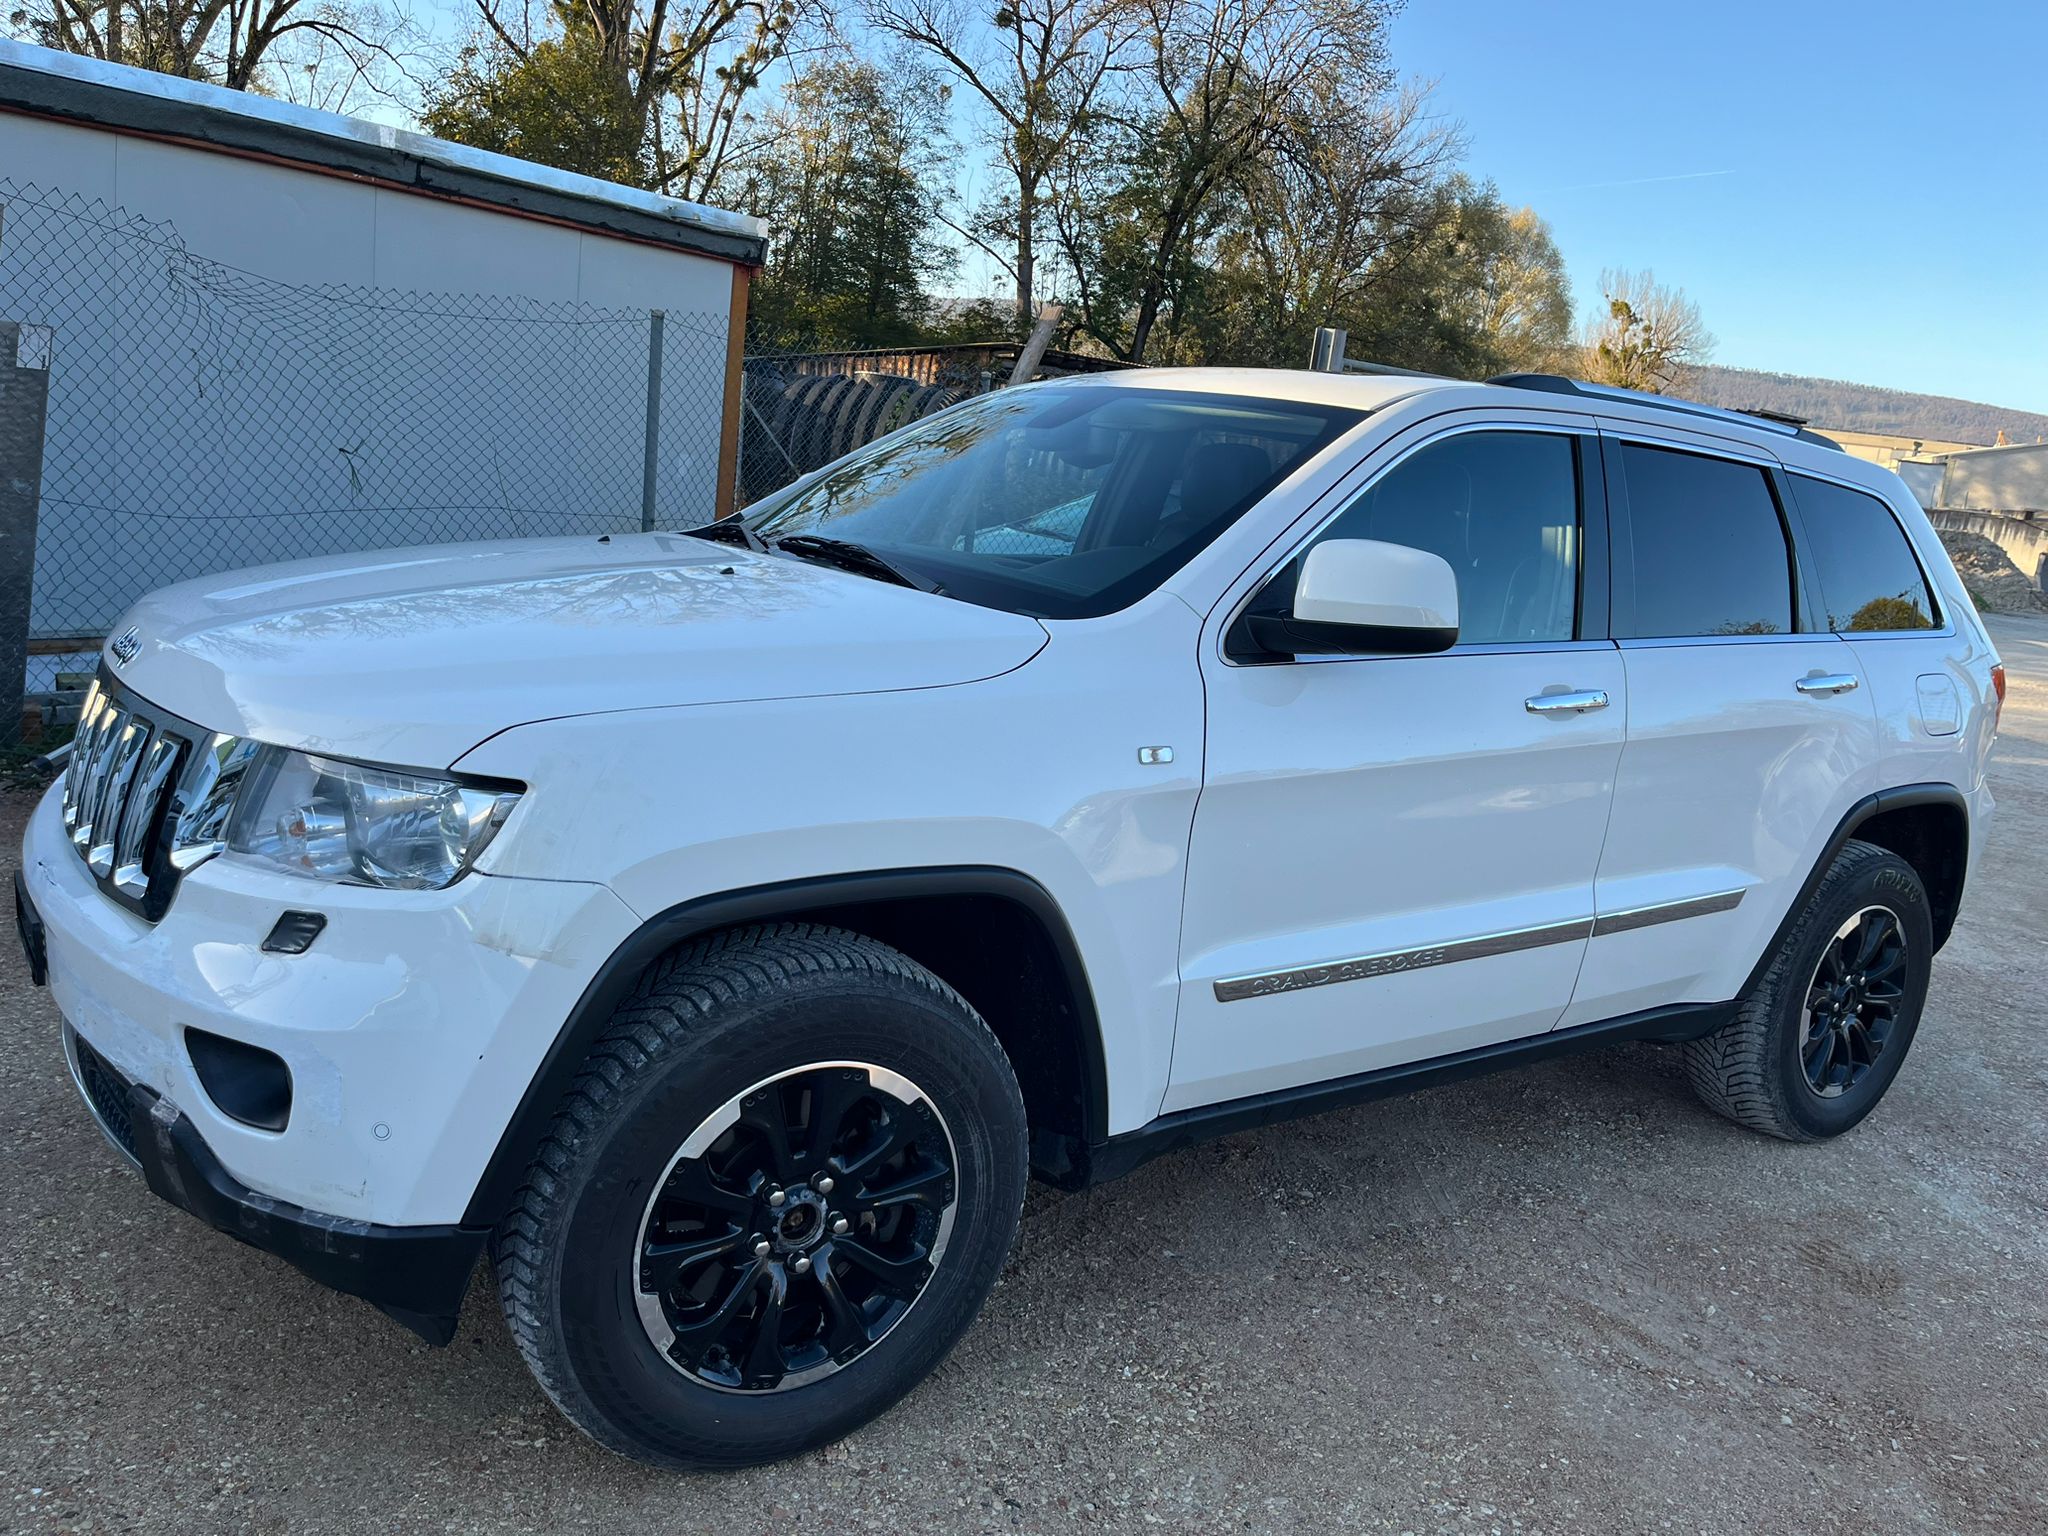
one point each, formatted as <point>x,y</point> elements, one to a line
<point>1831,683</point>
<point>1567,703</point>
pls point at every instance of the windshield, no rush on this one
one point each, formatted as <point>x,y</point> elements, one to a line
<point>1063,500</point>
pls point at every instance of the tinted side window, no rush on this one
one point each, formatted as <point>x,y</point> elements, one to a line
<point>1710,551</point>
<point>1503,509</point>
<point>1868,575</point>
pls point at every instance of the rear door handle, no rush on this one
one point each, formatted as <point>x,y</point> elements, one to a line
<point>1833,682</point>
<point>1567,703</point>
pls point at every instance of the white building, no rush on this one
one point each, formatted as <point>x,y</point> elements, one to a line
<point>2008,479</point>
<point>273,332</point>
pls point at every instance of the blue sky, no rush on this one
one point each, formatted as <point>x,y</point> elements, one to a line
<point>1854,191</point>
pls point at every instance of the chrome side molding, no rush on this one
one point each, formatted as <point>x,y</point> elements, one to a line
<point>1235,989</point>
<point>1630,918</point>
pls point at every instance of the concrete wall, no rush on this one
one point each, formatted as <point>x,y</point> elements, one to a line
<point>293,363</point>
<point>1998,479</point>
<point>1887,448</point>
<point>2023,538</point>
<point>1923,478</point>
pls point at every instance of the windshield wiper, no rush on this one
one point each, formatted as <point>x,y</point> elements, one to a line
<point>730,530</point>
<point>849,556</point>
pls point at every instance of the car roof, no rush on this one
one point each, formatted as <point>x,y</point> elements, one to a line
<point>1370,392</point>
<point>1358,391</point>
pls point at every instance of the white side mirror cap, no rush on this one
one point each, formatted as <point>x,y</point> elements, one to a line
<point>1364,584</point>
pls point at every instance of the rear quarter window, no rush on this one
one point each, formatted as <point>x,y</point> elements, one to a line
<point>1870,579</point>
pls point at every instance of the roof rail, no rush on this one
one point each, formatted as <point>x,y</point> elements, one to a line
<point>1558,384</point>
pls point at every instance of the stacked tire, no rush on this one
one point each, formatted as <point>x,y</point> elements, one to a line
<point>795,423</point>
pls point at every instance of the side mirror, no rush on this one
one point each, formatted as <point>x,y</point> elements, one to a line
<point>1363,596</point>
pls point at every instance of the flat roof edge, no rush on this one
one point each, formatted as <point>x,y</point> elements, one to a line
<point>120,99</point>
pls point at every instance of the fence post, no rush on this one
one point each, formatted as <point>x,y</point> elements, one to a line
<point>650,457</point>
<point>24,406</point>
<point>1326,355</point>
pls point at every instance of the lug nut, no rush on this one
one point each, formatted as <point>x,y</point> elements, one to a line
<point>822,1183</point>
<point>802,1264</point>
<point>776,1197</point>
<point>840,1224</point>
<point>761,1246</point>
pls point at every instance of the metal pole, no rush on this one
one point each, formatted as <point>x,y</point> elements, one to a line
<point>1326,355</point>
<point>1034,348</point>
<point>650,458</point>
<point>24,399</point>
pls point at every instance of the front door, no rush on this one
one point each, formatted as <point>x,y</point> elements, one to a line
<point>1393,856</point>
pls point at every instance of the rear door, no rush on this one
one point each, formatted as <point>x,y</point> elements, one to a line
<point>1926,673</point>
<point>1750,727</point>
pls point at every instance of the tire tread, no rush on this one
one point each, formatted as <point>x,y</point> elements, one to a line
<point>1731,1069</point>
<point>671,1005</point>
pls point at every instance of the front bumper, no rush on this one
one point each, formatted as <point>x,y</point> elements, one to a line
<point>411,1027</point>
<point>416,1275</point>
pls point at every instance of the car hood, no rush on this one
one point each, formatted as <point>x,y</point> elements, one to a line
<point>415,656</point>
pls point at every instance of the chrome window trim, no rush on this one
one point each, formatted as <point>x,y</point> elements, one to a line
<point>1650,642</point>
<point>1490,648</point>
<point>1662,642</point>
<point>1586,427</point>
<point>1678,441</point>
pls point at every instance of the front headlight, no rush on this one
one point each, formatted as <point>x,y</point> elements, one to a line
<point>333,820</point>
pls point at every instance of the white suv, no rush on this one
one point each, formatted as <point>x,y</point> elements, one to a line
<point>718,927</point>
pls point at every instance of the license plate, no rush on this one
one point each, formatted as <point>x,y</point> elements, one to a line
<point>29,924</point>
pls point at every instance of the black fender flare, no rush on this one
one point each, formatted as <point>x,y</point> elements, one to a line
<point>615,979</point>
<point>1902,797</point>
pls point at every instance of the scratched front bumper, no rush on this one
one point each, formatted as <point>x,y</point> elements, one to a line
<point>411,1027</point>
<point>415,1274</point>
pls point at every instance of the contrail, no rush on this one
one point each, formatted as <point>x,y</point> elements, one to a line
<point>1642,181</point>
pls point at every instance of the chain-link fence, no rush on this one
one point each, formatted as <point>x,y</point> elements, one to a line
<point>187,417</point>
<point>201,418</point>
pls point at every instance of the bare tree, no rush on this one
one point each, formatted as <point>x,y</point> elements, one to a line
<point>1041,71</point>
<point>649,91</point>
<point>1210,94</point>
<point>1328,223</point>
<point>1645,336</point>
<point>274,46</point>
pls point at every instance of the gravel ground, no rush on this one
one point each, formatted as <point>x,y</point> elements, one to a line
<point>1562,1299</point>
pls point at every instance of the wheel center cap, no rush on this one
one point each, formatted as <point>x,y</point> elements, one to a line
<point>801,1221</point>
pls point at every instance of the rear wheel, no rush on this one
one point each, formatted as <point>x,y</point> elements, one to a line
<point>777,1194</point>
<point>1821,1036</point>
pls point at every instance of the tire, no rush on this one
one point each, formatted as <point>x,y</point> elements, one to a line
<point>1805,1075</point>
<point>850,1046</point>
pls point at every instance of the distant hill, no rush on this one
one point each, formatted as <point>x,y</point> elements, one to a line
<point>1863,407</point>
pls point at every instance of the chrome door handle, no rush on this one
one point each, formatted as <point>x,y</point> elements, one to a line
<point>1567,703</point>
<point>1834,682</point>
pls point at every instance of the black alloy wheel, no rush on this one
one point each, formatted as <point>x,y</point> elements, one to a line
<point>1820,1032</point>
<point>1853,1001</point>
<point>795,1227</point>
<point>778,1190</point>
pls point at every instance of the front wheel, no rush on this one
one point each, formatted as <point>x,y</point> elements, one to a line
<point>1821,1036</point>
<point>776,1195</point>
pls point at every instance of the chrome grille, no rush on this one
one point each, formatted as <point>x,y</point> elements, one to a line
<point>137,782</point>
